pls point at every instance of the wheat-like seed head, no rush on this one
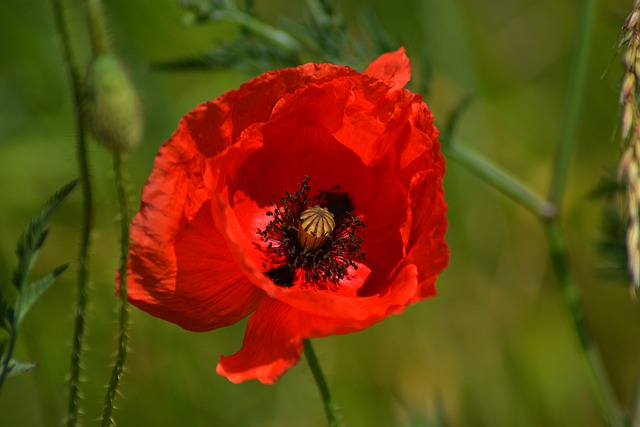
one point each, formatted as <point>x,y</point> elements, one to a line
<point>630,133</point>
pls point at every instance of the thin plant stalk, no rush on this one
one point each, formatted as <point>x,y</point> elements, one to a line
<point>5,363</point>
<point>574,104</point>
<point>77,85</point>
<point>594,365</point>
<point>123,336</point>
<point>545,210</point>
<point>97,27</point>
<point>548,211</point>
<point>278,36</point>
<point>598,377</point>
<point>497,178</point>
<point>318,376</point>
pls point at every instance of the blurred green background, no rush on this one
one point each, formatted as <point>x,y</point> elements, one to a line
<point>494,348</point>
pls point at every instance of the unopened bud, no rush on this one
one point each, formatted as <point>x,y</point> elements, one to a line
<point>113,107</point>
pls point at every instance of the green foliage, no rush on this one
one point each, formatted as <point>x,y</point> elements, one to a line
<point>612,241</point>
<point>15,305</point>
<point>322,36</point>
<point>31,241</point>
<point>496,306</point>
<point>33,292</point>
<point>246,52</point>
<point>17,367</point>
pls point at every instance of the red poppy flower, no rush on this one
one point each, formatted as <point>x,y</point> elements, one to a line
<point>311,197</point>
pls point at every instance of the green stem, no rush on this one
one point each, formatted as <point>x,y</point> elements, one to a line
<point>83,279</point>
<point>87,216</point>
<point>498,179</point>
<point>8,356</point>
<point>123,337</point>
<point>557,243</point>
<point>575,97</point>
<point>594,365</point>
<point>329,406</point>
<point>280,37</point>
<point>547,211</point>
<point>97,28</point>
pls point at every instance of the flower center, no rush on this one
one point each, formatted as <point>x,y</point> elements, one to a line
<point>317,237</point>
<point>315,226</point>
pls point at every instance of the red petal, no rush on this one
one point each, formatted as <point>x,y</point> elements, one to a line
<point>288,154</point>
<point>384,128</point>
<point>268,349</point>
<point>426,245</point>
<point>273,341</point>
<point>180,268</point>
<point>211,291</point>
<point>393,68</point>
<point>253,102</point>
<point>271,158</point>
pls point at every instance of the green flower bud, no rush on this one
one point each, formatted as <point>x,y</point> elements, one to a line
<point>113,106</point>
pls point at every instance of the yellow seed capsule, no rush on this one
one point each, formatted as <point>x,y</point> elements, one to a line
<point>315,226</point>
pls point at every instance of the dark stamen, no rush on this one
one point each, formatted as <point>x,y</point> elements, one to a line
<point>282,276</point>
<point>338,203</point>
<point>323,265</point>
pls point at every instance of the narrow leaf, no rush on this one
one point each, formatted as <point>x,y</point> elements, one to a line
<point>17,367</point>
<point>5,322</point>
<point>31,241</point>
<point>30,294</point>
<point>247,52</point>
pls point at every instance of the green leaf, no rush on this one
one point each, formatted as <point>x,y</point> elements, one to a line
<point>31,241</point>
<point>17,367</point>
<point>6,320</point>
<point>612,239</point>
<point>247,52</point>
<point>326,27</point>
<point>30,294</point>
<point>608,186</point>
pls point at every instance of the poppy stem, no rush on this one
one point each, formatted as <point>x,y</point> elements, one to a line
<point>498,179</point>
<point>97,28</point>
<point>123,336</point>
<point>598,377</point>
<point>549,212</point>
<point>591,357</point>
<point>329,406</point>
<point>77,85</point>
